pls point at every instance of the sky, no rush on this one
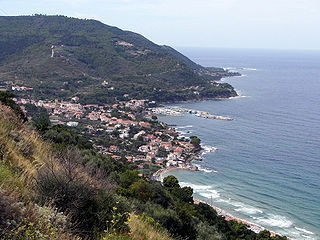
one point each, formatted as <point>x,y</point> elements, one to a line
<point>267,24</point>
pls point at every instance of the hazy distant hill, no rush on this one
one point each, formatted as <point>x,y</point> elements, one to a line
<point>61,57</point>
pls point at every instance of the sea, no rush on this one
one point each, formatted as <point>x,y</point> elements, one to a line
<point>264,166</point>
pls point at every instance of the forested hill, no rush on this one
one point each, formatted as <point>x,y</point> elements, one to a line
<point>61,57</point>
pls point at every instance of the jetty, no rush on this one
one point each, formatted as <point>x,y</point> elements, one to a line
<point>178,111</point>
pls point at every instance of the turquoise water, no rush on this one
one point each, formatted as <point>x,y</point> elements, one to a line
<point>266,164</point>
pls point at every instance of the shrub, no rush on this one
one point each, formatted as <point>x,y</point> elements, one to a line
<point>21,221</point>
<point>72,188</point>
<point>6,99</point>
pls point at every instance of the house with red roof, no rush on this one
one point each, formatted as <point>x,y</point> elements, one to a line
<point>144,124</point>
<point>116,157</point>
<point>113,148</point>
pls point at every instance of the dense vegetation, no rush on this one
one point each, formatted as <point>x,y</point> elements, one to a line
<point>97,63</point>
<point>53,186</point>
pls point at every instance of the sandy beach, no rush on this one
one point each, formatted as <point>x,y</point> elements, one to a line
<point>158,174</point>
<point>254,227</point>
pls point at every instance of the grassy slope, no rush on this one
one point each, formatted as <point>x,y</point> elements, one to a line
<point>141,229</point>
<point>22,154</point>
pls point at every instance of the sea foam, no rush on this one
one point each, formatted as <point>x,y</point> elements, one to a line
<point>194,186</point>
<point>205,169</point>
<point>275,221</point>
<point>304,230</point>
<point>210,194</point>
<point>203,190</point>
<point>207,149</point>
<point>249,69</point>
<point>248,210</point>
<point>184,127</point>
<point>305,236</point>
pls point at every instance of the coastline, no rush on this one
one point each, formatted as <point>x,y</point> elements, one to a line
<point>197,100</point>
<point>207,98</point>
<point>158,176</point>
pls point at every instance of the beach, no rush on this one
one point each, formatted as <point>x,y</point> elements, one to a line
<point>158,176</point>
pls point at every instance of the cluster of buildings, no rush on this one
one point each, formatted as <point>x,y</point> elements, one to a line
<point>74,110</point>
<point>159,146</point>
<point>173,151</point>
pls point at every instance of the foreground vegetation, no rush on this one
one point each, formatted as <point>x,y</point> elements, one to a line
<point>64,189</point>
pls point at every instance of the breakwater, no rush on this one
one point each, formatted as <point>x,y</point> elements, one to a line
<point>179,111</point>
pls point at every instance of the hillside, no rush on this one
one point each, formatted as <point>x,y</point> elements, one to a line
<point>61,57</point>
<point>29,168</point>
<point>54,185</point>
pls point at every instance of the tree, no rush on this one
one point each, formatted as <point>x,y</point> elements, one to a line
<point>186,194</point>
<point>171,182</point>
<point>42,125</point>
<point>195,141</point>
<point>263,235</point>
<point>6,99</point>
<point>128,177</point>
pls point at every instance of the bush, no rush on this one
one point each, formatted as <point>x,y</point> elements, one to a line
<point>6,99</point>
<point>168,219</point>
<point>89,199</point>
<point>204,231</point>
<point>21,221</point>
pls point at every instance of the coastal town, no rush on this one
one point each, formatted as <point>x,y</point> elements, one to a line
<point>127,131</point>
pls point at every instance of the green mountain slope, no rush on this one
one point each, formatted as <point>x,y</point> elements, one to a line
<point>61,57</point>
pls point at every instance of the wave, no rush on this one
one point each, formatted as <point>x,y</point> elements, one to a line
<point>242,75</point>
<point>195,186</point>
<point>205,169</point>
<point>306,236</point>
<point>183,132</point>
<point>248,210</point>
<point>239,69</point>
<point>207,149</point>
<point>211,194</point>
<point>183,127</point>
<point>248,69</point>
<point>274,221</point>
<point>203,190</point>
<point>225,200</point>
<point>243,208</point>
<point>304,230</point>
<point>239,96</point>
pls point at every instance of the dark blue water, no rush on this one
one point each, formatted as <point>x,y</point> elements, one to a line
<point>266,168</point>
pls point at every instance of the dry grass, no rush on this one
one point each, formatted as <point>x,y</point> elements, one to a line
<point>22,155</point>
<point>142,230</point>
